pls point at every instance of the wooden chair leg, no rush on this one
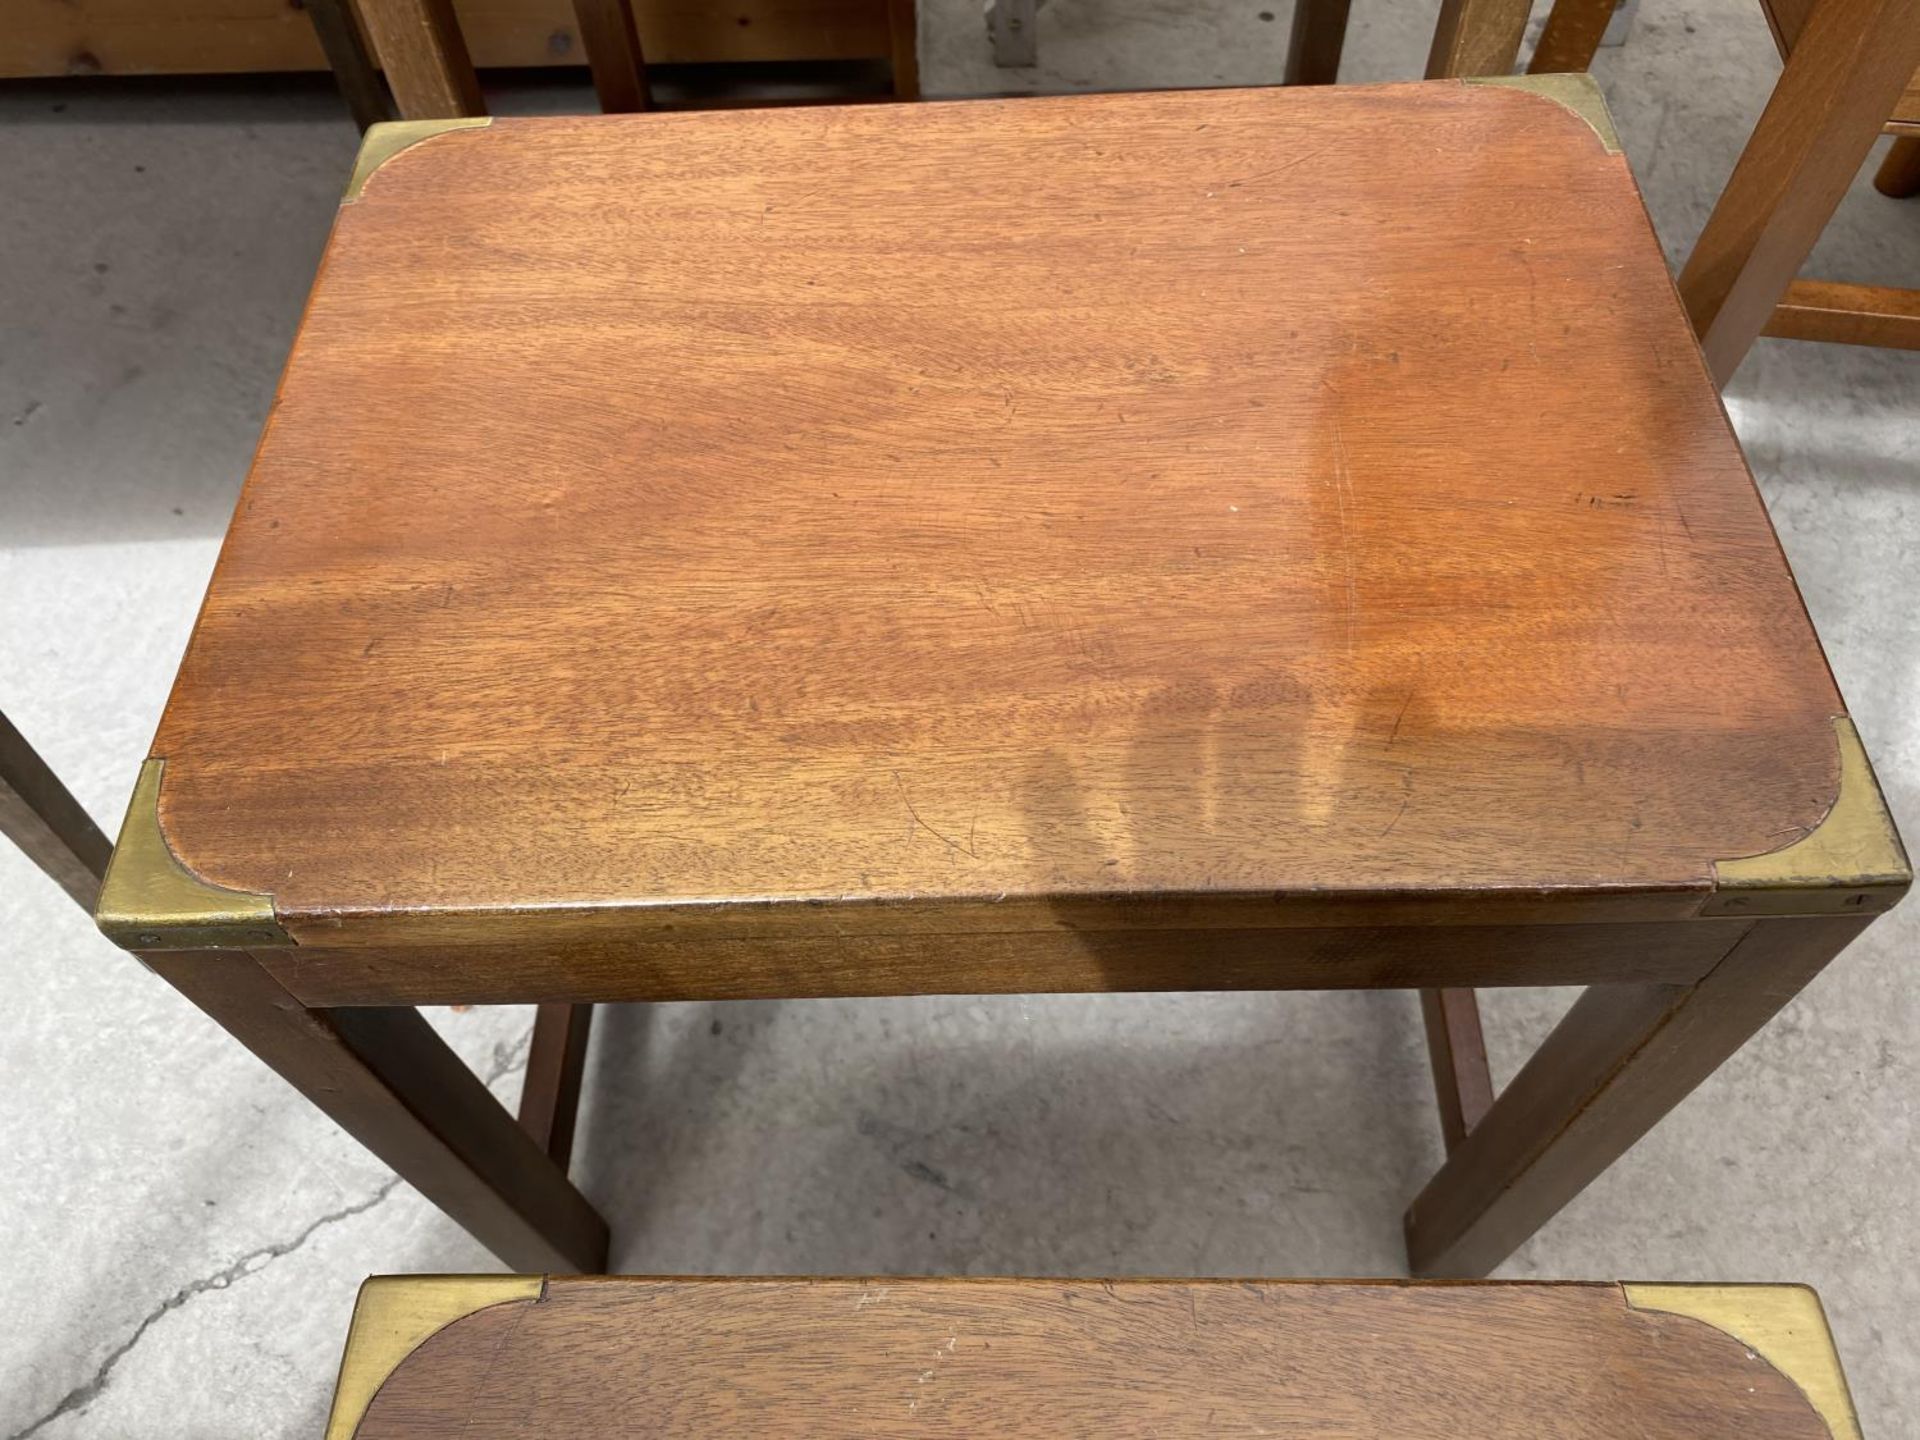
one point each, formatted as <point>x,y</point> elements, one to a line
<point>354,70</point>
<point>1462,1083</point>
<point>1573,33</point>
<point>612,43</point>
<point>1319,34</point>
<point>1899,173</point>
<point>556,1063</point>
<point>425,57</point>
<point>1840,83</point>
<point>1623,1056</point>
<point>903,29</point>
<point>40,815</point>
<point>1477,37</point>
<point>384,1076</point>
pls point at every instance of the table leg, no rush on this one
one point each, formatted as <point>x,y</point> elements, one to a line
<point>1573,32</point>
<point>351,60</point>
<point>395,1086</point>
<point>1462,1084</point>
<point>40,815</point>
<point>556,1064</point>
<point>903,39</point>
<point>614,56</point>
<point>1319,34</point>
<point>1899,174</point>
<point>1477,37</point>
<point>1623,1057</point>
<point>419,45</point>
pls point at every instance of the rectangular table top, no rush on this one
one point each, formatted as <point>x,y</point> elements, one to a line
<point>489,1356</point>
<point>1234,501</point>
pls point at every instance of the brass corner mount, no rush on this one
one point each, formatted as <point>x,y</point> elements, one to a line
<point>395,1315</point>
<point>1782,1324</point>
<point>388,138</point>
<point>1851,863</point>
<point>150,901</point>
<point>1578,92</point>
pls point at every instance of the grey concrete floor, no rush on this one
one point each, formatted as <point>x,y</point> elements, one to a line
<point>187,1234</point>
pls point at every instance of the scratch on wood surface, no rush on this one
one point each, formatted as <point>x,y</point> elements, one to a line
<point>1343,496</point>
<point>1405,800</point>
<point>1523,253</point>
<point>499,1349</point>
<point>1394,734</point>
<point>913,816</point>
<point>1292,164</point>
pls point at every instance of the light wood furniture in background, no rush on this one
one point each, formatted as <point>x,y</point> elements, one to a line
<point>1471,38</point>
<point>788,562</point>
<point>492,1357</point>
<point>1852,71</point>
<point>52,829</point>
<point>1850,65</point>
<point>200,37</point>
<point>355,71</point>
<point>419,46</point>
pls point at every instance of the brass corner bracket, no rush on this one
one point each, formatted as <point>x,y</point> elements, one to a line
<point>1851,863</point>
<point>150,901</point>
<point>395,1315</point>
<point>388,138</point>
<point>1782,1324</point>
<point>1578,92</point>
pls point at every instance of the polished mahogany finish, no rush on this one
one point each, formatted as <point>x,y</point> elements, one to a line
<point>695,521</point>
<point>769,555</point>
<point>1048,1358</point>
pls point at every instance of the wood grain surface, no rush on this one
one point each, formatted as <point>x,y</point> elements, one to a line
<point>1053,1358</point>
<point>664,518</point>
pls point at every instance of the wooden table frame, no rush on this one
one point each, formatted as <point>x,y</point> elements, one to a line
<point>1667,1002</point>
<point>1681,967</point>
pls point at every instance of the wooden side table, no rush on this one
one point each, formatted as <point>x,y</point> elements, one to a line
<point>758,554</point>
<point>495,1356</point>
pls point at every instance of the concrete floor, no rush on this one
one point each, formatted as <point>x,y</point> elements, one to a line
<point>187,1234</point>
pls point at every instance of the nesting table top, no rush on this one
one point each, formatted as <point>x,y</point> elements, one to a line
<point>901,515</point>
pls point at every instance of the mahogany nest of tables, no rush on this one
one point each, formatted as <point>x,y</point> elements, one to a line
<point>1286,540</point>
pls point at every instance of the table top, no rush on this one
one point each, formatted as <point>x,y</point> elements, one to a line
<point>903,515</point>
<point>519,1355</point>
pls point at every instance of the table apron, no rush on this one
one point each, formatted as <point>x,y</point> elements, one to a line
<point>1050,962</point>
